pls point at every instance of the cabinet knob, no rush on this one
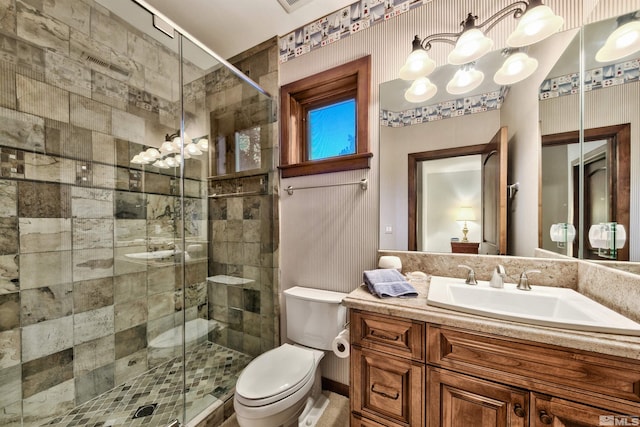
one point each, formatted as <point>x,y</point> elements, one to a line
<point>519,410</point>
<point>545,418</point>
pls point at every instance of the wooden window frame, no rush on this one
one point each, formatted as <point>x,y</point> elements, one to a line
<point>351,80</point>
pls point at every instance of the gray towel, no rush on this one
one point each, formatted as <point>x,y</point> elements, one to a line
<point>388,283</point>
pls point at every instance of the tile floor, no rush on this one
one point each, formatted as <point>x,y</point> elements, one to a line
<point>212,371</point>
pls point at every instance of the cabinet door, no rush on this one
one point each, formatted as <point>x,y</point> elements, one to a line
<point>457,400</point>
<point>387,389</point>
<point>551,411</point>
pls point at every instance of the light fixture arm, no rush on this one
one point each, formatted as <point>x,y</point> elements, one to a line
<point>517,9</point>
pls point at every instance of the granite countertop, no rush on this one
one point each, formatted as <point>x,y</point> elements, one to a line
<point>417,309</point>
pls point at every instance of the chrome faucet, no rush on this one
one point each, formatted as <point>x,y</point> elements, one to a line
<point>471,276</point>
<point>497,279</point>
<point>523,283</point>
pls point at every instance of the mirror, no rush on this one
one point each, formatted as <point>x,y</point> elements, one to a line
<point>592,181</point>
<point>398,141</point>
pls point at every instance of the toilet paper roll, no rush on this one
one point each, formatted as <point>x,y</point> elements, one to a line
<point>340,344</point>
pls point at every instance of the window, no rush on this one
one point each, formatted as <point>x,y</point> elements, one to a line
<point>248,149</point>
<point>324,121</point>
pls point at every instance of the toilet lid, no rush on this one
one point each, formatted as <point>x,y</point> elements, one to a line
<point>275,372</point>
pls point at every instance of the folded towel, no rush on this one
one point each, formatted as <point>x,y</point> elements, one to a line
<point>388,283</point>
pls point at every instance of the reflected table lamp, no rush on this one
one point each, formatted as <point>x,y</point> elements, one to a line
<point>465,214</point>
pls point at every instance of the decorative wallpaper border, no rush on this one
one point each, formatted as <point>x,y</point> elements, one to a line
<point>596,78</point>
<point>445,110</point>
<point>342,23</point>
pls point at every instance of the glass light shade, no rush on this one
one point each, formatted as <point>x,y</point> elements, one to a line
<point>152,153</point>
<point>203,144</point>
<point>466,214</point>
<point>536,24</point>
<point>168,147</point>
<point>515,68</point>
<point>418,64</point>
<point>465,80</point>
<point>172,162</point>
<point>161,164</point>
<point>146,157</point>
<point>420,90</point>
<point>138,160</point>
<point>192,149</point>
<point>624,41</point>
<point>471,45</point>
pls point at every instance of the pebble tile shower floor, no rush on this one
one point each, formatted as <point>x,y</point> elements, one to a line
<point>212,371</point>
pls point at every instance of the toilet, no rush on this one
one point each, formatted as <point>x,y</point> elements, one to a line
<point>282,387</point>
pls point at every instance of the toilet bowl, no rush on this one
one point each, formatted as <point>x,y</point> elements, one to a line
<point>277,386</point>
<point>283,386</point>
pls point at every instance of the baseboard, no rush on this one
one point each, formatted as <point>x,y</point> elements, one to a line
<point>335,387</point>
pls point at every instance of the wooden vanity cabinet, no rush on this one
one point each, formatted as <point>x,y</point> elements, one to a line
<point>475,379</point>
<point>387,371</point>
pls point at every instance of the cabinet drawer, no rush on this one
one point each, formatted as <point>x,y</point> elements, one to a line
<point>517,362</point>
<point>387,389</point>
<point>358,421</point>
<point>392,335</point>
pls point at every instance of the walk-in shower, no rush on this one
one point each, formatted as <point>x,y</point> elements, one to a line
<point>139,236</point>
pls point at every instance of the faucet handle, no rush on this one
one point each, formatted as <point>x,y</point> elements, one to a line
<point>523,283</point>
<point>471,277</point>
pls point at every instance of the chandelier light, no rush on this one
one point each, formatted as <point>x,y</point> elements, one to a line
<point>624,41</point>
<point>421,90</point>
<point>517,67</point>
<point>169,155</point>
<point>536,22</point>
<point>465,80</point>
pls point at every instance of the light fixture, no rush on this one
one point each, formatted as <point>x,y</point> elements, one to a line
<point>471,44</point>
<point>172,151</point>
<point>420,90</point>
<point>465,214</point>
<point>418,63</point>
<point>466,79</point>
<point>517,67</point>
<point>537,23</point>
<point>624,41</point>
<point>607,237</point>
<point>562,233</point>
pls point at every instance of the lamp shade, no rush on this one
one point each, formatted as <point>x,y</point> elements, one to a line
<point>465,80</point>
<point>515,68</point>
<point>465,213</point>
<point>420,90</point>
<point>624,41</point>
<point>538,23</point>
<point>471,45</point>
<point>418,64</point>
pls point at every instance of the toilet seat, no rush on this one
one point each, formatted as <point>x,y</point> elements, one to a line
<point>275,375</point>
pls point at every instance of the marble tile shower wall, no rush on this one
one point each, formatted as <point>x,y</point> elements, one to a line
<point>76,315</point>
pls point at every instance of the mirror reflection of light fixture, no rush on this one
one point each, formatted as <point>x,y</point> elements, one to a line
<point>465,214</point>
<point>418,63</point>
<point>465,80</point>
<point>562,233</point>
<point>607,237</point>
<point>537,23</point>
<point>169,154</point>
<point>517,67</point>
<point>420,90</point>
<point>624,41</point>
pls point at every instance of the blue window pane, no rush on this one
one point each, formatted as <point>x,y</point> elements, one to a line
<point>332,130</point>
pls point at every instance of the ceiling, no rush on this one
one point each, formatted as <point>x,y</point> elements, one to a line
<point>233,26</point>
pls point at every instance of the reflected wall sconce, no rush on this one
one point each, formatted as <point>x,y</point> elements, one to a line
<point>607,237</point>
<point>465,214</point>
<point>624,41</point>
<point>172,152</point>
<point>562,233</point>
<point>536,22</point>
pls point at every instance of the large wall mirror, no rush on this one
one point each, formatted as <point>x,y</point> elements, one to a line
<point>599,155</point>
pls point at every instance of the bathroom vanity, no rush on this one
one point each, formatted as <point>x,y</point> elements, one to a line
<point>418,365</point>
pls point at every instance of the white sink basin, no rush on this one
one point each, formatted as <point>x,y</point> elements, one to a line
<point>153,255</point>
<point>543,305</point>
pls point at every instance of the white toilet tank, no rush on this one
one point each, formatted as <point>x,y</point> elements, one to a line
<point>314,316</point>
